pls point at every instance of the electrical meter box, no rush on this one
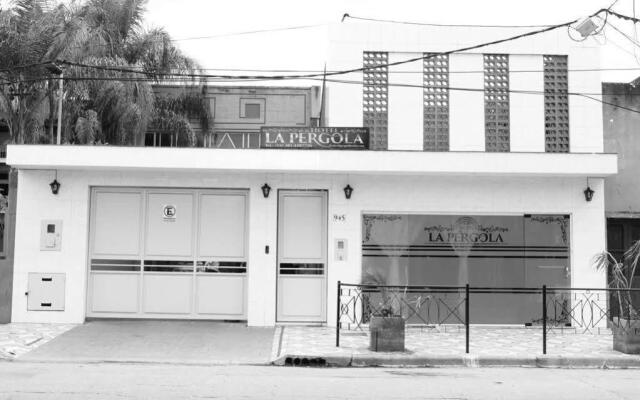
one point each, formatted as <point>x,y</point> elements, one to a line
<point>50,235</point>
<point>45,292</point>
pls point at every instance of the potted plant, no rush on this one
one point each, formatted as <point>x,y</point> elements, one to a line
<point>626,325</point>
<point>386,324</point>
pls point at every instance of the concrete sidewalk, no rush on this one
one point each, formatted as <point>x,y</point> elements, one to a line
<point>219,343</point>
<point>17,339</point>
<point>156,341</point>
<point>440,347</point>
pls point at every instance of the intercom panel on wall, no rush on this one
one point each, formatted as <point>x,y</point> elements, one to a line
<point>50,235</point>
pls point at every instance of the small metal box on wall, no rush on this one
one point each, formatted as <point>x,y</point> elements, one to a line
<point>45,292</point>
<point>50,235</point>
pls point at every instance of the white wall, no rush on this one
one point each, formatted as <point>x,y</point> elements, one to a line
<point>405,104</point>
<point>466,109</point>
<point>347,42</point>
<point>450,195</point>
<point>527,110</point>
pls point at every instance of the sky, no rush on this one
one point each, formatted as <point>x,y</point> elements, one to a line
<point>304,48</point>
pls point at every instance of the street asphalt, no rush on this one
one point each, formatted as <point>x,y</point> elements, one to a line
<point>25,380</point>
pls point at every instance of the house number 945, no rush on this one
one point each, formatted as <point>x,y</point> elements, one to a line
<point>339,217</point>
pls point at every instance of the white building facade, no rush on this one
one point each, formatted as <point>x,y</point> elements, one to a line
<point>475,174</point>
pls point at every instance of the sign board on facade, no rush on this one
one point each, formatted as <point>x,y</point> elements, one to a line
<point>324,138</point>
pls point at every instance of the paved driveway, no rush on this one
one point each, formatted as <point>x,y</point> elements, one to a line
<point>188,342</point>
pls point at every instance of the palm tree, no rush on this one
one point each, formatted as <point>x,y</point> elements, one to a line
<point>177,114</point>
<point>100,105</point>
<point>124,102</point>
<point>621,275</point>
<point>29,32</point>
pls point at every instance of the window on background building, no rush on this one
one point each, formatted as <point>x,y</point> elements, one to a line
<point>436,102</point>
<point>556,104</point>
<point>375,92</point>
<point>505,251</point>
<point>496,102</point>
<point>156,139</point>
<point>252,110</point>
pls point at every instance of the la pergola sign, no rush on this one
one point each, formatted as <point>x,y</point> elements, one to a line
<point>325,138</point>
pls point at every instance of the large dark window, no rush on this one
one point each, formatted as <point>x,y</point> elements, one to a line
<point>621,233</point>
<point>479,250</point>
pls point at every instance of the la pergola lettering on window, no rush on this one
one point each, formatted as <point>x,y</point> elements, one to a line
<point>329,138</point>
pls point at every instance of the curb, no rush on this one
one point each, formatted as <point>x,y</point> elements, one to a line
<point>467,361</point>
<point>202,363</point>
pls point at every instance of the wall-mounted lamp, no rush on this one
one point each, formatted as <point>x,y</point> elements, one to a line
<point>55,186</point>
<point>266,189</point>
<point>588,192</point>
<point>348,190</point>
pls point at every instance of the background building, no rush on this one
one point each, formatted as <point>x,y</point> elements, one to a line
<point>622,196</point>
<point>238,113</point>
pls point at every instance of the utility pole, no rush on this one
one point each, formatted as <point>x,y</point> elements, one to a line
<point>57,70</point>
<point>60,93</point>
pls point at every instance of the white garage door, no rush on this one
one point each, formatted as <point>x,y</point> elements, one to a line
<point>170,253</point>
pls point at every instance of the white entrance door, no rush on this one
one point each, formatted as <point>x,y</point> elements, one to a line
<point>302,256</point>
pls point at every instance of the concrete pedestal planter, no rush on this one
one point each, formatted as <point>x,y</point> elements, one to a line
<point>386,333</point>
<point>626,335</point>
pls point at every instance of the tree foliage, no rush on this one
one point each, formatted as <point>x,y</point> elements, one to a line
<point>100,105</point>
<point>173,114</point>
<point>621,275</point>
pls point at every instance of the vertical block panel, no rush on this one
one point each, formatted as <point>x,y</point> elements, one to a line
<point>496,102</point>
<point>466,108</point>
<point>436,102</point>
<point>375,92</point>
<point>556,104</point>
<point>405,102</point>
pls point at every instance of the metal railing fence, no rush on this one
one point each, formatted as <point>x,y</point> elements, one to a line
<point>552,308</point>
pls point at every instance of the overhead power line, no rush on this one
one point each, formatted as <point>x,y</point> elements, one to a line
<point>353,70</point>
<point>315,75</point>
<point>339,72</point>
<point>391,21</point>
<point>587,95</point>
<point>391,72</point>
<point>244,33</point>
